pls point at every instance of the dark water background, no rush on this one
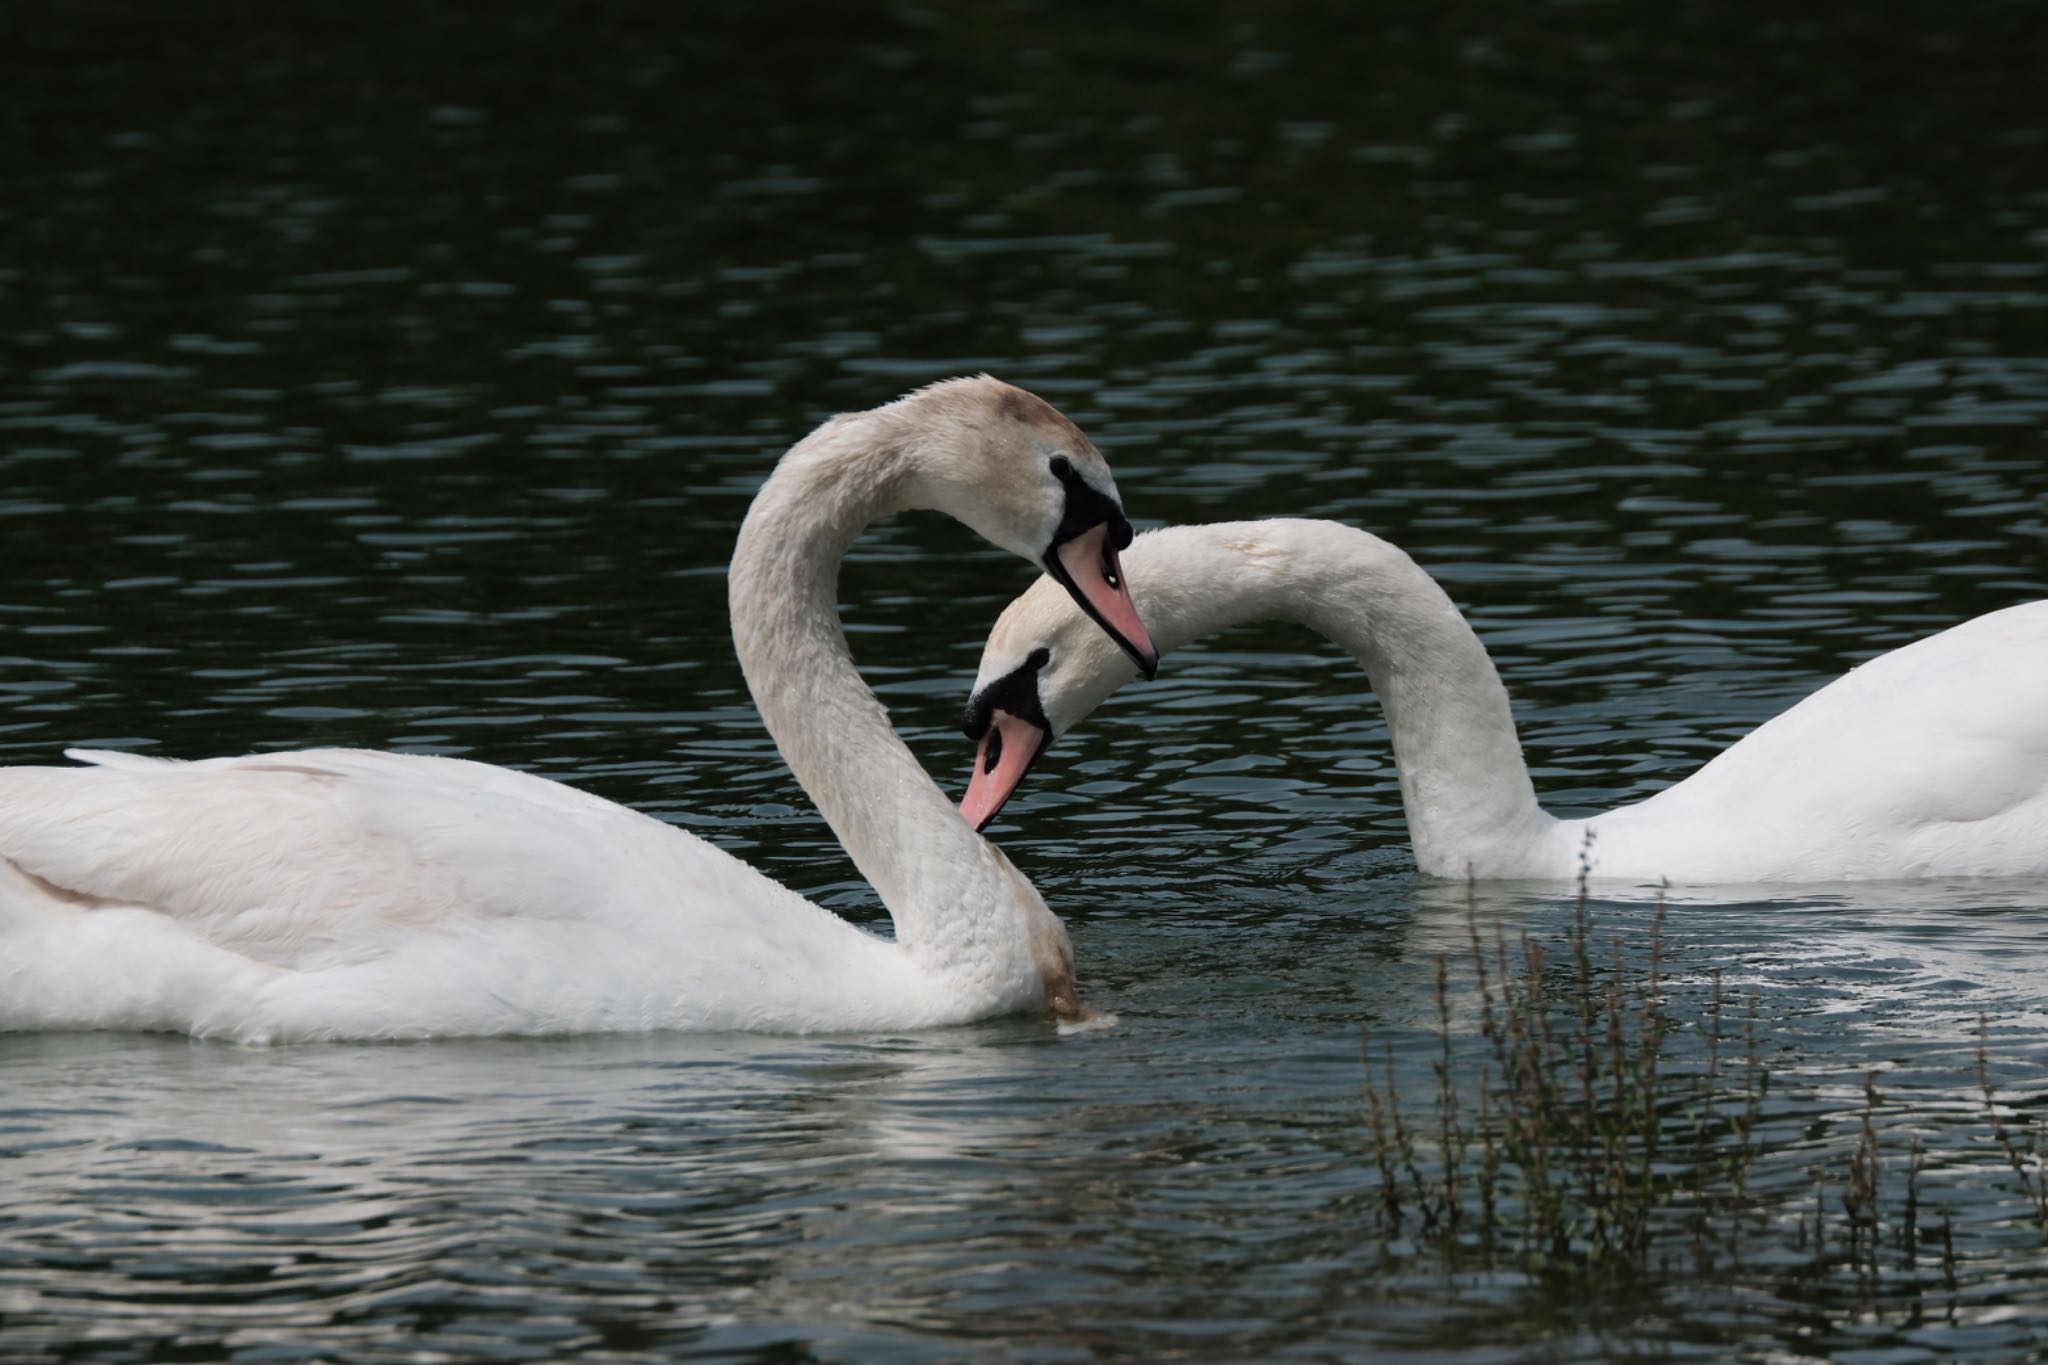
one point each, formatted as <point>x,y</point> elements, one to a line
<point>397,376</point>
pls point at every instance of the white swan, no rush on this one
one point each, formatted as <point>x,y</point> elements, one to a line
<point>353,894</point>
<point>1931,760</point>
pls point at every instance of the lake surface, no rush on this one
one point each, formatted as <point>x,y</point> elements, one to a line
<point>398,376</point>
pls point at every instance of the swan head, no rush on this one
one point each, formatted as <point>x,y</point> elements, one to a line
<point>1043,670</point>
<point>1015,469</point>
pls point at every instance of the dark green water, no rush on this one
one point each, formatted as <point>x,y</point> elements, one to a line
<point>398,375</point>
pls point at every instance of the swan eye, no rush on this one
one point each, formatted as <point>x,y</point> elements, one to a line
<point>1038,658</point>
<point>1059,466</point>
<point>993,754</point>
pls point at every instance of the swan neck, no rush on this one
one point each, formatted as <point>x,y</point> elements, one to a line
<point>951,895</point>
<point>1471,807</point>
<point>1470,804</point>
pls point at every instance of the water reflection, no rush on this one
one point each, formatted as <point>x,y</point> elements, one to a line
<point>1198,1174</point>
<point>732,1165</point>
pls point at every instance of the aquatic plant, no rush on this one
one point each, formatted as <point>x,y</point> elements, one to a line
<point>2029,1162</point>
<point>1596,1116</point>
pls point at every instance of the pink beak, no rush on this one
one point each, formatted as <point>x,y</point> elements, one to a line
<point>1002,758</point>
<point>1092,572</point>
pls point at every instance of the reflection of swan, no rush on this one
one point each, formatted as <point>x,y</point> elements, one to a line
<point>1929,761</point>
<point>338,893</point>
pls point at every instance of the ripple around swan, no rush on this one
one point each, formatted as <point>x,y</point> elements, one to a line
<point>596,1196</point>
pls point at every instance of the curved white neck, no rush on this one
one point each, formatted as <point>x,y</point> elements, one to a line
<point>1470,804</point>
<point>953,897</point>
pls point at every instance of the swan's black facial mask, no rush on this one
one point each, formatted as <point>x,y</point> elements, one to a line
<point>1082,559</point>
<point>1015,692</point>
<point>1007,721</point>
<point>1086,508</point>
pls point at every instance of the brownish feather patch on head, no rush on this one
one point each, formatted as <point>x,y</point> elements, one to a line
<point>1027,408</point>
<point>978,398</point>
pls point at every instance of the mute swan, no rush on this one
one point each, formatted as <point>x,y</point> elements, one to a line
<point>1931,760</point>
<point>354,894</point>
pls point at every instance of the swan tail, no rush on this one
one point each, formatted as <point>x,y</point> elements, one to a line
<point>115,758</point>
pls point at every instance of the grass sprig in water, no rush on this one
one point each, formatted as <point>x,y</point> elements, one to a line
<point>2030,1163</point>
<point>1568,1115</point>
<point>1594,1115</point>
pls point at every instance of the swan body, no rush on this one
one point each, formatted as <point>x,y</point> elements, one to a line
<point>1931,760</point>
<point>347,893</point>
<point>334,893</point>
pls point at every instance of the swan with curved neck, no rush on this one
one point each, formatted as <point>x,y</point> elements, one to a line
<point>353,894</point>
<point>1931,760</point>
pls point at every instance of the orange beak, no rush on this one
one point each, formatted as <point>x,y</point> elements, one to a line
<point>1088,568</point>
<point>1006,752</point>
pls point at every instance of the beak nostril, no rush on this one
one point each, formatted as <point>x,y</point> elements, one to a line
<point>992,752</point>
<point>1088,567</point>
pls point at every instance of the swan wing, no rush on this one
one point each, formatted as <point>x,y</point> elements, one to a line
<point>1929,760</point>
<point>318,856</point>
<point>354,894</point>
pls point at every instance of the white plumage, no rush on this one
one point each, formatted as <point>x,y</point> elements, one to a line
<point>1928,761</point>
<point>338,893</point>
